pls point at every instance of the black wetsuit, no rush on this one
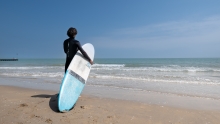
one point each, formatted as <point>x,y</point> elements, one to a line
<point>71,46</point>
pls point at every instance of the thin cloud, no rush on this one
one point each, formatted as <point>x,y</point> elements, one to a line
<point>170,34</point>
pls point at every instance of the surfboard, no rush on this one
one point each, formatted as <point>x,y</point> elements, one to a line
<point>75,79</point>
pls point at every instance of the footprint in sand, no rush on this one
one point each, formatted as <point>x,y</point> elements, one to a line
<point>82,107</point>
<point>109,116</point>
<point>49,121</point>
<point>23,105</point>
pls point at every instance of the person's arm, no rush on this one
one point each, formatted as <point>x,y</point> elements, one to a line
<point>65,46</point>
<point>84,53</point>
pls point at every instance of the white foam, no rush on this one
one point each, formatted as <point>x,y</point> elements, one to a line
<point>169,80</point>
<point>36,74</point>
<point>171,68</point>
<point>108,66</point>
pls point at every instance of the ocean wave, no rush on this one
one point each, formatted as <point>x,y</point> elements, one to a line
<point>36,74</point>
<point>172,68</point>
<point>108,65</point>
<point>161,79</point>
<point>123,67</point>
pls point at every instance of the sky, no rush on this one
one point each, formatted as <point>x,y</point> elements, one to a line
<point>116,28</point>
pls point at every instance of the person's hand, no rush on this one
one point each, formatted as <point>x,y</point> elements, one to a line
<point>91,62</point>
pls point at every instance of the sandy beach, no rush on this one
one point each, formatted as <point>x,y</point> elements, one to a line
<point>24,106</point>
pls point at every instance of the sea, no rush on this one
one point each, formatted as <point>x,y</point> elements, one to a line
<point>124,78</point>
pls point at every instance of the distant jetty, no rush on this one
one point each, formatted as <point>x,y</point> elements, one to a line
<point>9,59</point>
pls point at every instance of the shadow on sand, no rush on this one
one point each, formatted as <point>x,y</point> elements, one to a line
<point>53,103</point>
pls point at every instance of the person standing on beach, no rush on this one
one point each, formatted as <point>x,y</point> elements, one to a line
<point>71,46</point>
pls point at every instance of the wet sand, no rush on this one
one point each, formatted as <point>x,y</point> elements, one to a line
<point>24,106</point>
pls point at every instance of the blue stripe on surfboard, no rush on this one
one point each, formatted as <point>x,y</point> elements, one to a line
<point>70,90</point>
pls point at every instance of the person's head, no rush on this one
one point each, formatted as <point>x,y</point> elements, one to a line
<point>72,32</point>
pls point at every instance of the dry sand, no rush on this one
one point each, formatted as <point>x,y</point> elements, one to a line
<point>25,106</point>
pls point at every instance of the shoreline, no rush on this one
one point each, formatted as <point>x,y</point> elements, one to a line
<point>23,105</point>
<point>148,97</point>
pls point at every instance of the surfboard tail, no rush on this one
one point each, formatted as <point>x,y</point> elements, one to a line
<point>68,97</point>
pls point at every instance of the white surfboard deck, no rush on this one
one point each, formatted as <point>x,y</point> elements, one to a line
<point>75,79</point>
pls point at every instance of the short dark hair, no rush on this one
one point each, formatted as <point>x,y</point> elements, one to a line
<point>71,32</point>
